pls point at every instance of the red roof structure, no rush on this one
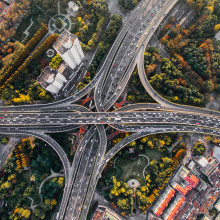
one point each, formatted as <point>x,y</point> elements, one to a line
<point>192,180</point>
<point>175,209</point>
<point>168,196</point>
<point>183,190</point>
<point>98,215</point>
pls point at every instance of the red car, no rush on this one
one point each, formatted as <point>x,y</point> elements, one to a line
<point>5,110</point>
<point>101,121</point>
<point>114,65</point>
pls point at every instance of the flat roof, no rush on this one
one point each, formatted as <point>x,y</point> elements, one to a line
<point>64,42</point>
<point>216,153</point>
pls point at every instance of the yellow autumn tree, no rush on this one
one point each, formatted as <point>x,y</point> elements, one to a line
<point>53,202</point>
<point>217,27</point>
<point>60,181</point>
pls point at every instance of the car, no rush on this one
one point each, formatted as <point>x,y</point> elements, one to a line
<point>5,110</point>
<point>197,123</point>
<point>97,116</point>
<point>114,65</point>
<point>102,122</point>
<point>102,110</point>
<point>152,15</point>
<point>1,117</point>
<point>22,109</point>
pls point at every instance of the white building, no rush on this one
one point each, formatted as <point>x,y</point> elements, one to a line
<point>207,165</point>
<point>68,47</point>
<point>51,80</point>
<point>216,153</point>
<point>73,6</point>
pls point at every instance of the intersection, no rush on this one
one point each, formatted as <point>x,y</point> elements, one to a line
<point>112,77</point>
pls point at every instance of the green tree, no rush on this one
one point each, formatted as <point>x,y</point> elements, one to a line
<point>58,23</point>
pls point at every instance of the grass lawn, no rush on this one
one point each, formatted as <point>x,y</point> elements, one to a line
<point>53,3</point>
<point>154,154</point>
<point>25,175</point>
<point>25,22</point>
<point>129,167</point>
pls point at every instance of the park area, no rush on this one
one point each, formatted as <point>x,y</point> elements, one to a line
<point>31,184</point>
<point>128,168</point>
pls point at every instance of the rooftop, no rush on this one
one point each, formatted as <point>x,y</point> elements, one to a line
<point>188,176</point>
<point>216,153</point>
<point>64,42</point>
<point>3,6</point>
<point>202,162</point>
<point>47,77</point>
<point>208,166</point>
<point>163,201</point>
<point>104,213</point>
<point>183,189</point>
<point>174,208</point>
<point>217,205</point>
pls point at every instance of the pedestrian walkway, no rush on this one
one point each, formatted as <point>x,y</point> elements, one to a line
<point>66,23</point>
<point>51,176</point>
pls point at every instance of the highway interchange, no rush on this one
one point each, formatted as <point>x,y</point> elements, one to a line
<point>141,119</point>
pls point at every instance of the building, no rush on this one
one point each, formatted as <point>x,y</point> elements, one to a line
<point>151,216</point>
<point>7,1</point>
<point>182,188</point>
<point>217,217</point>
<point>163,201</point>
<point>216,153</point>
<point>68,47</point>
<point>205,218</point>
<point>174,208</point>
<point>51,80</point>
<point>191,165</point>
<point>217,205</point>
<point>104,213</point>
<point>188,176</point>
<point>207,165</point>
<point>3,8</point>
<point>73,6</point>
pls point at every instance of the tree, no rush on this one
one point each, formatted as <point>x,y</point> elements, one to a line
<point>166,161</point>
<point>150,144</point>
<point>217,27</point>
<point>20,213</point>
<point>4,140</point>
<point>56,61</point>
<point>50,189</point>
<point>196,5</point>
<point>58,23</point>
<point>39,212</point>
<point>198,148</point>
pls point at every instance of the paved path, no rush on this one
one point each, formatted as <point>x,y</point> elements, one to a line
<point>174,145</point>
<point>51,176</point>
<point>32,202</point>
<point>26,32</point>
